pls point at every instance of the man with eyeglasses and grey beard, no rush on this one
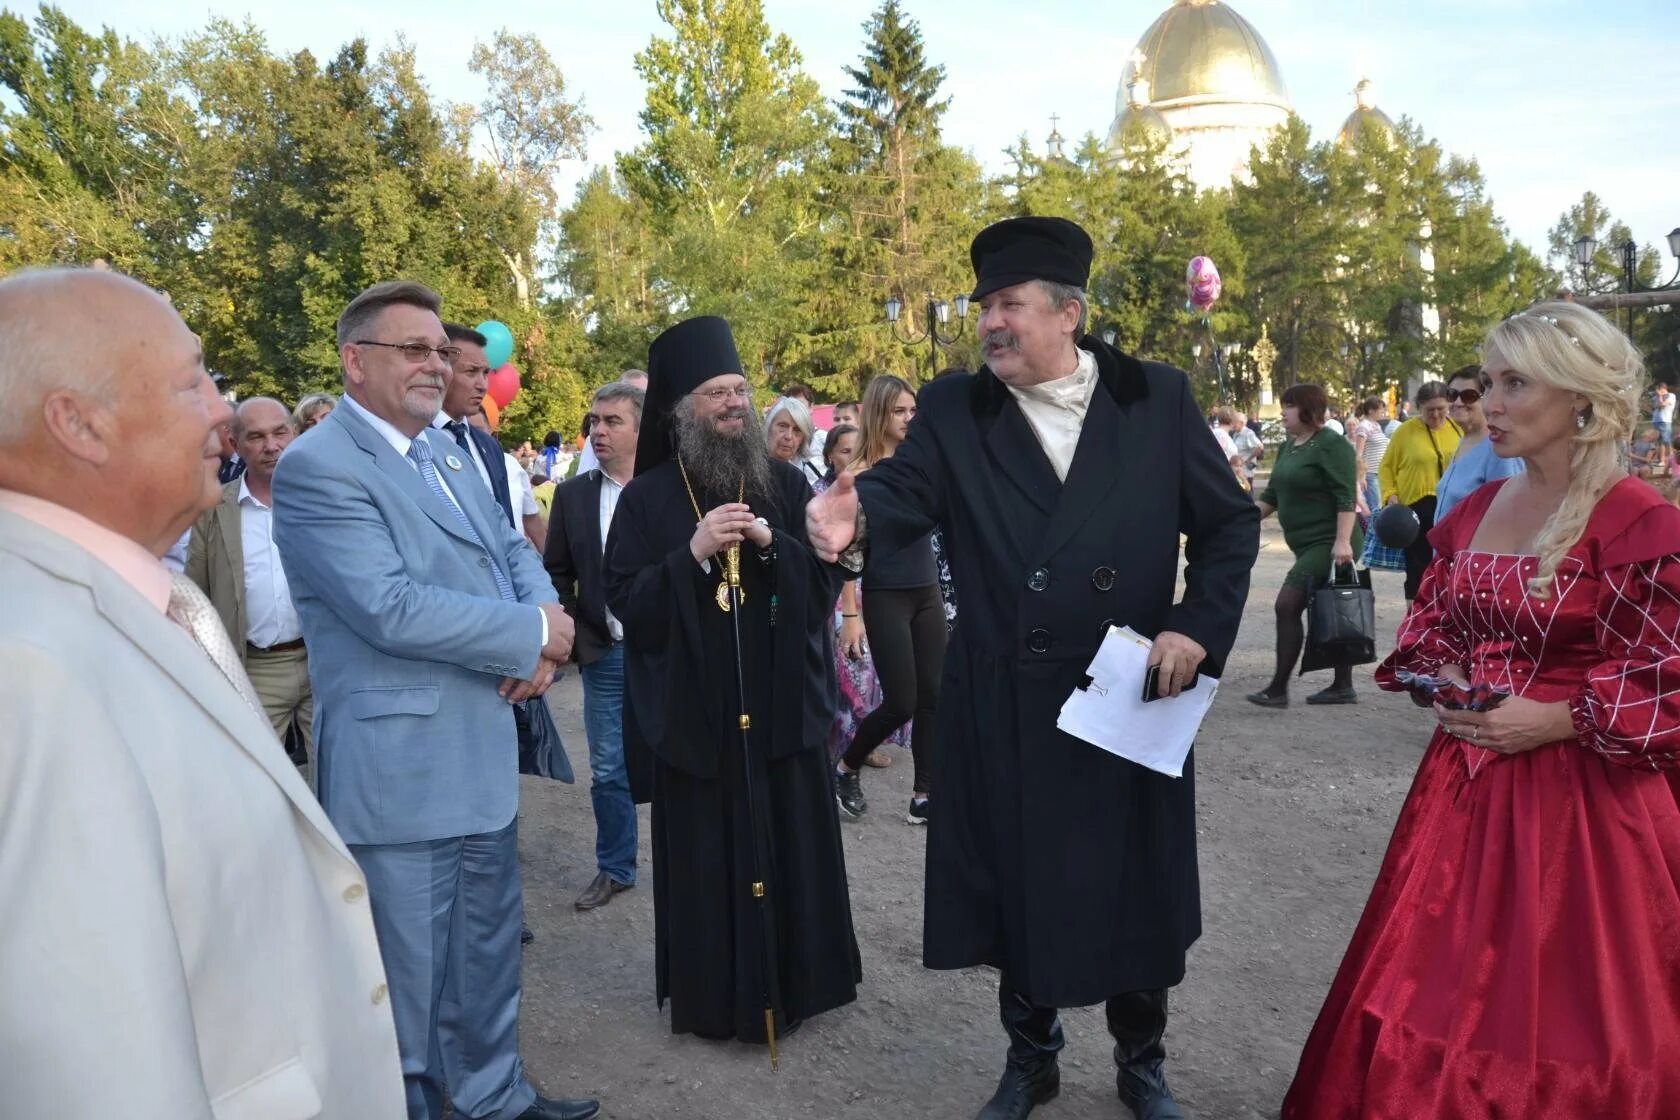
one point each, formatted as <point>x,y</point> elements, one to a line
<point>428,617</point>
<point>727,704</point>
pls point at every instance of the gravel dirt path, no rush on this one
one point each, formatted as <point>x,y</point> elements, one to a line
<point>1295,809</point>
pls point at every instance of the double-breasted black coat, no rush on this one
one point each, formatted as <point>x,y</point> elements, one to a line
<point>1072,870</point>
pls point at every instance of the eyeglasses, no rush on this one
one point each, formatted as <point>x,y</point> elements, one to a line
<point>1464,396</point>
<point>416,351</point>
<point>718,396</point>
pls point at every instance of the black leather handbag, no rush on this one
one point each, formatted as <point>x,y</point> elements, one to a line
<point>1341,621</point>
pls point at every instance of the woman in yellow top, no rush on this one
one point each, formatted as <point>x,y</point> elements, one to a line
<point>1412,466</point>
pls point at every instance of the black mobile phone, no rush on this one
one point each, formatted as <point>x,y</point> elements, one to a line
<point>1152,684</point>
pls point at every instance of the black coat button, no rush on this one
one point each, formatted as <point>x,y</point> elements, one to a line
<point>1103,578</point>
<point>1039,641</point>
<point>1039,580</point>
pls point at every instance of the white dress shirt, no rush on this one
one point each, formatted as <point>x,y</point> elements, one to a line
<point>473,454</point>
<point>270,617</point>
<point>519,482</point>
<point>400,444</point>
<point>1055,410</point>
<point>610,491</point>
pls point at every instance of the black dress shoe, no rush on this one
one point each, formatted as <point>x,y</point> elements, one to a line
<point>525,935</point>
<point>1334,695</point>
<point>1267,700</point>
<point>1143,1089</point>
<point>600,891</point>
<point>544,1109</point>
<point>1021,1090</point>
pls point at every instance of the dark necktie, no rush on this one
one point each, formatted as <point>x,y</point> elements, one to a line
<point>458,429</point>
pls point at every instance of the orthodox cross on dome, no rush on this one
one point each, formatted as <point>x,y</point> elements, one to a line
<point>1054,143</point>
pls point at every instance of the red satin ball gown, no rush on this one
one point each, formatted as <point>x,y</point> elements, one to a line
<point>1519,957</point>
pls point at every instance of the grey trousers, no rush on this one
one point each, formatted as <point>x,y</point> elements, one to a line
<point>448,915</point>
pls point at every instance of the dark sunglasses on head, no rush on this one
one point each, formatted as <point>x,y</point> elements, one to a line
<point>1464,396</point>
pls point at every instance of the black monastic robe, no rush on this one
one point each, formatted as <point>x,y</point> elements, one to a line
<point>1072,870</point>
<point>683,749</point>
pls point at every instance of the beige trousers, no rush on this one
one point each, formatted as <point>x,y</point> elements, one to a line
<point>281,679</point>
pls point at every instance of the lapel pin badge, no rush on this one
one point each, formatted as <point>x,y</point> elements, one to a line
<point>453,463</point>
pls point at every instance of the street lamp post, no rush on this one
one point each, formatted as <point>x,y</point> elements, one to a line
<point>1586,249</point>
<point>938,313</point>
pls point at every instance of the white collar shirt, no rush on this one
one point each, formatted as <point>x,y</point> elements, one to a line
<point>440,422</point>
<point>1055,410</point>
<point>270,617</point>
<point>399,442</point>
<point>610,492</point>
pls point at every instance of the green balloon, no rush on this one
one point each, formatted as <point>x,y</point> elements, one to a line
<point>498,342</point>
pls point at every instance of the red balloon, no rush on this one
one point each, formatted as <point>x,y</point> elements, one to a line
<point>504,385</point>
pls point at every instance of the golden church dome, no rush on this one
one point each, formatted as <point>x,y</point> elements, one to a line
<point>1203,52</point>
<point>1365,116</point>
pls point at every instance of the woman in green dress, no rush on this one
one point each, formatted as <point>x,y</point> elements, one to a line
<point>1313,489</point>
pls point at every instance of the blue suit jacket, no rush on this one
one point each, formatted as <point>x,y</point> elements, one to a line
<point>408,638</point>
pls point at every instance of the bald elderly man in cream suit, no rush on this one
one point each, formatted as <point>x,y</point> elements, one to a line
<point>182,932</point>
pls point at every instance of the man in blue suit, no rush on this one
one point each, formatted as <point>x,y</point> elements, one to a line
<point>427,617</point>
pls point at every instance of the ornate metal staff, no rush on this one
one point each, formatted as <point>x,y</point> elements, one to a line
<point>732,580</point>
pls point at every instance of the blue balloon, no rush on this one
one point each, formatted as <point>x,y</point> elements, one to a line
<point>498,342</point>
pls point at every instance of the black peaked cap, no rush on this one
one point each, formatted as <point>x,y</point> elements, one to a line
<point>680,360</point>
<point>1016,250</point>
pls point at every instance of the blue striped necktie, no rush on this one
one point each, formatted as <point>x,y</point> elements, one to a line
<point>421,453</point>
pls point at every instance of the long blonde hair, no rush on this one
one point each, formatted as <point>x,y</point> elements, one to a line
<point>1574,348</point>
<point>874,414</point>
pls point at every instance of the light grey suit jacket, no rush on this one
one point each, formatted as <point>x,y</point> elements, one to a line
<point>184,934</point>
<point>408,638</point>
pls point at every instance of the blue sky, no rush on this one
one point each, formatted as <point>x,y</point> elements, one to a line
<point>1553,97</point>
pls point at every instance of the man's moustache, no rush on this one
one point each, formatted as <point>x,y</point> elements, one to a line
<point>1001,338</point>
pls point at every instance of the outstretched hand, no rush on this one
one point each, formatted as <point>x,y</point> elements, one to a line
<point>831,518</point>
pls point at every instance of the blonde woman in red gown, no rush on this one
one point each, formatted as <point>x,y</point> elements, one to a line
<point>1520,953</point>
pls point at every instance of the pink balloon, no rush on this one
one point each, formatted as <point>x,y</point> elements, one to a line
<point>504,385</point>
<point>1202,283</point>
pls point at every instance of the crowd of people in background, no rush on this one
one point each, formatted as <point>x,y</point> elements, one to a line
<point>375,570</point>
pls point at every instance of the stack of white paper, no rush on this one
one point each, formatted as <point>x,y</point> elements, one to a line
<point>1110,712</point>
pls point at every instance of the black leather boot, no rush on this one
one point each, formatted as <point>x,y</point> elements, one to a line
<point>1031,1075</point>
<point>1138,1022</point>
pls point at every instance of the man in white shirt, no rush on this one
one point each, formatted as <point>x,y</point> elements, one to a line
<point>577,536</point>
<point>233,558</point>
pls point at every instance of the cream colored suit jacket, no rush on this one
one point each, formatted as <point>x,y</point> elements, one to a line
<point>182,932</point>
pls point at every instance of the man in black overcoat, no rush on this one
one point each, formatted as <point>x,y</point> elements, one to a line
<point>1062,475</point>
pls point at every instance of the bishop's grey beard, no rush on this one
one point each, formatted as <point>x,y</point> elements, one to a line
<point>718,463</point>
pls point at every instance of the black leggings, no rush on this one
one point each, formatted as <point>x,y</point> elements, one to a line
<point>1420,552</point>
<point>1291,636</point>
<point>906,630</point>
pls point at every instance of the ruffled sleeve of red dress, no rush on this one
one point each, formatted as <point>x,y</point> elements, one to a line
<point>1629,708</point>
<point>1428,637</point>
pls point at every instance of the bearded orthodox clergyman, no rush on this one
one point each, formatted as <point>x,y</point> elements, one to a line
<point>732,805</point>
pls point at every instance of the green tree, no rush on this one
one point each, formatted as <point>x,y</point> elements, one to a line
<point>532,127</point>
<point>899,208</point>
<point>734,132</point>
<point>1294,222</point>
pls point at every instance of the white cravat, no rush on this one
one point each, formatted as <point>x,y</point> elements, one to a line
<point>1055,410</point>
<point>190,610</point>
